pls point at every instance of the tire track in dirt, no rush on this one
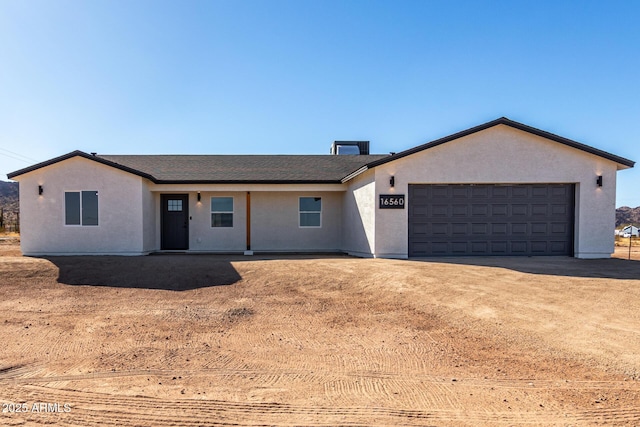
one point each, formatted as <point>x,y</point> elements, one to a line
<point>91,409</point>
<point>388,390</point>
<point>401,393</point>
<point>36,374</point>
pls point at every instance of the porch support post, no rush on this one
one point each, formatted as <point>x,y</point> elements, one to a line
<point>248,251</point>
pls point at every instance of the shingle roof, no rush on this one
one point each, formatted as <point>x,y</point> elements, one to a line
<point>244,168</point>
<point>279,169</point>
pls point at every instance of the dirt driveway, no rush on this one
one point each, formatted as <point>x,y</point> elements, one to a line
<point>200,340</point>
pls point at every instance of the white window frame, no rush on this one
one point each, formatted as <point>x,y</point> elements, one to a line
<point>300,212</point>
<point>64,209</point>
<point>232,212</point>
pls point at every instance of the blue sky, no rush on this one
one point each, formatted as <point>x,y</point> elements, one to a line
<point>280,77</point>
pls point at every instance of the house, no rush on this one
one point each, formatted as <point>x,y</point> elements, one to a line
<point>629,231</point>
<point>500,188</point>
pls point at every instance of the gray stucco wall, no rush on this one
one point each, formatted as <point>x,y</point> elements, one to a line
<point>150,204</point>
<point>120,223</point>
<point>358,216</point>
<point>275,224</point>
<point>203,237</point>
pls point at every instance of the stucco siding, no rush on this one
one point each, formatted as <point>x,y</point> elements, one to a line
<point>509,156</point>
<point>150,204</point>
<point>204,237</point>
<point>120,216</point>
<point>275,222</point>
<point>359,216</point>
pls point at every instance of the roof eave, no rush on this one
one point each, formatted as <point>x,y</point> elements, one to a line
<point>355,173</point>
<point>247,181</point>
<point>78,153</point>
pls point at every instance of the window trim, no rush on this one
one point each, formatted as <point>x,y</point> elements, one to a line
<point>64,208</point>
<point>232,212</point>
<point>300,212</point>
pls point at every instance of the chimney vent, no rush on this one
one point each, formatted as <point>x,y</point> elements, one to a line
<point>350,147</point>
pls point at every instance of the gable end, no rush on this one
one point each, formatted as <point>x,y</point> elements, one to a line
<point>516,125</point>
<point>78,153</point>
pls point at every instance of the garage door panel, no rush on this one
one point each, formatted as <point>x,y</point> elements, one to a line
<point>539,247</point>
<point>499,191</point>
<point>520,192</point>
<point>560,228</point>
<point>499,229</point>
<point>540,191</point>
<point>459,248</point>
<point>560,191</point>
<point>420,210</point>
<point>559,209</point>
<point>440,211</point>
<point>479,228</point>
<point>440,248</point>
<point>421,249</point>
<point>500,248</point>
<point>459,229</point>
<point>420,229</point>
<point>519,228</point>
<point>539,209</point>
<point>519,210</point>
<point>459,192</point>
<point>480,248</point>
<point>519,247</point>
<point>560,247</point>
<point>479,191</point>
<point>460,210</point>
<point>440,229</point>
<point>530,219</point>
<point>539,228</point>
<point>421,193</point>
<point>499,210</point>
<point>480,210</point>
<point>440,191</point>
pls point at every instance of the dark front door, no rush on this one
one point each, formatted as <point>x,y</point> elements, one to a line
<point>175,221</point>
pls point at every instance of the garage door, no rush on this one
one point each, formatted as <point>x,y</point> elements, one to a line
<point>450,220</point>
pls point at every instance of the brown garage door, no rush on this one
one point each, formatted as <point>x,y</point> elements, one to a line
<point>451,220</point>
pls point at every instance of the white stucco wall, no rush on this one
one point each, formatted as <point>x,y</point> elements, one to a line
<point>120,216</point>
<point>275,224</point>
<point>358,216</point>
<point>505,155</point>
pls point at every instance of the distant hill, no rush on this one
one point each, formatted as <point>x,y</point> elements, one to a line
<point>627,215</point>
<point>9,200</point>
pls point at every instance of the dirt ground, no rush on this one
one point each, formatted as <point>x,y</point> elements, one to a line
<point>196,340</point>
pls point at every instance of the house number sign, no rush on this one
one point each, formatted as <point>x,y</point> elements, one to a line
<point>392,201</point>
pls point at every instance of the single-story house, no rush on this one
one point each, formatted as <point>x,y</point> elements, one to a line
<point>500,188</point>
<point>629,231</point>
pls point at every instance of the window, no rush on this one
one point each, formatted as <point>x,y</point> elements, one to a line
<point>174,205</point>
<point>81,208</point>
<point>310,211</point>
<point>222,211</point>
